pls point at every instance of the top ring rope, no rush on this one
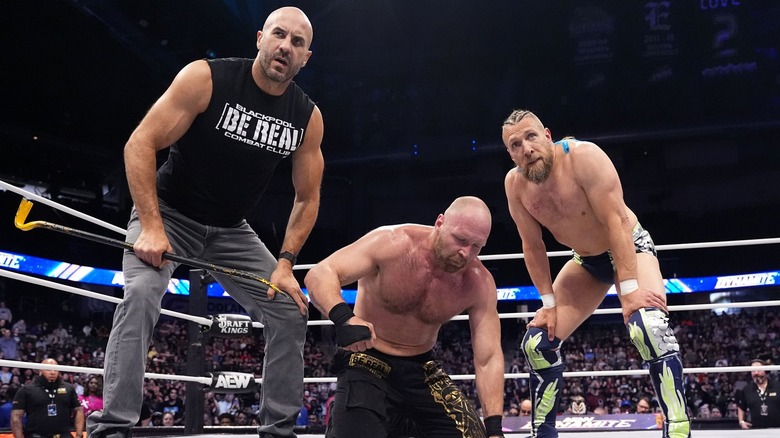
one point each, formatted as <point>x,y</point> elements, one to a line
<point>674,246</point>
<point>512,256</point>
<point>70,211</point>
<point>718,244</point>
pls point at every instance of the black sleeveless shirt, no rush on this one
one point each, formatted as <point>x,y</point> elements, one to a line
<point>222,165</point>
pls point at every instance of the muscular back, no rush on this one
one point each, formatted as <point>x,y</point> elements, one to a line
<point>408,296</point>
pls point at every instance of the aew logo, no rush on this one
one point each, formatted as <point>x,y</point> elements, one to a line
<point>229,326</point>
<point>232,382</point>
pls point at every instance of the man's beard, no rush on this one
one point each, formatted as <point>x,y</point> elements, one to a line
<point>759,380</point>
<point>445,263</point>
<point>538,174</point>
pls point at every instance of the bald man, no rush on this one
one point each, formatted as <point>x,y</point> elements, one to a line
<point>525,407</point>
<point>758,402</point>
<point>51,405</point>
<point>228,124</point>
<point>412,279</point>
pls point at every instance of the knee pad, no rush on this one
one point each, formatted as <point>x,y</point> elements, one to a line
<point>540,352</point>
<point>649,331</point>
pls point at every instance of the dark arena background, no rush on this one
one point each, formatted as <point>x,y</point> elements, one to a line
<point>684,97</point>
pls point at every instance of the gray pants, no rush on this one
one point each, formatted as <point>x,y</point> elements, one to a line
<point>137,314</point>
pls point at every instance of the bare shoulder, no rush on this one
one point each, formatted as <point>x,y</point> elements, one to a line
<point>195,71</point>
<point>411,233</point>
<point>481,282</point>
<point>581,148</point>
<point>192,86</point>
<point>585,154</point>
<point>513,178</point>
<point>397,239</point>
<point>482,276</point>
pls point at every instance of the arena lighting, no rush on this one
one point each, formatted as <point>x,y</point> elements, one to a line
<point>106,277</point>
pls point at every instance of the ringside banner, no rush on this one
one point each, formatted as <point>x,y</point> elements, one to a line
<point>583,423</point>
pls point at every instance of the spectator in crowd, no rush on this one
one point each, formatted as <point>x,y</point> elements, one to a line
<point>759,400</point>
<point>704,411</point>
<point>174,405</point>
<point>227,403</point>
<point>715,412</point>
<point>156,419</point>
<point>226,419</point>
<point>7,400</point>
<point>50,405</point>
<point>303,417</point>
<point>732,410</point>
<point>92,399</point>
<point>168,419</point>
<point>595,397</point>
<point>5,375</point>
<point>525,408</point>
<point>242,419</point>
<point>77,385</point>
<point>5,314</point>
<point>19,328</point>
<point>87,329</point>
<point>8,346</point>
<point>643,406</point>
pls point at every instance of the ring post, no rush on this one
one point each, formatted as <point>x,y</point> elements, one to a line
<point>196,359</point>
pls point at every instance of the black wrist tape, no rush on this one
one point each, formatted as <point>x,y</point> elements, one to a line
<point>493,426</point>
<point>340,314</point>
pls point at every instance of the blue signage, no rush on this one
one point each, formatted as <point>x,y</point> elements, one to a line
<point>106,277</point>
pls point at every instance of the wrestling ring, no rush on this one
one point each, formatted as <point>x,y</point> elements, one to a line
<point>520,428</point>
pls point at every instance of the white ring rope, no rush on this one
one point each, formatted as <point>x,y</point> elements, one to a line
<point>90,294</point>
<point>208,380</point>
<point>747,242</point>
<point>320,322</point>
<point>616,310</point>
<point>700,245</point>
<point>86,370</point>
<point>50,203</point>
<point>511,256</point>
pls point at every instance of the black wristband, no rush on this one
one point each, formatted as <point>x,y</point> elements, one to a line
<point>340,313</point>
<point>493,426</point>
<point>287,255</point>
